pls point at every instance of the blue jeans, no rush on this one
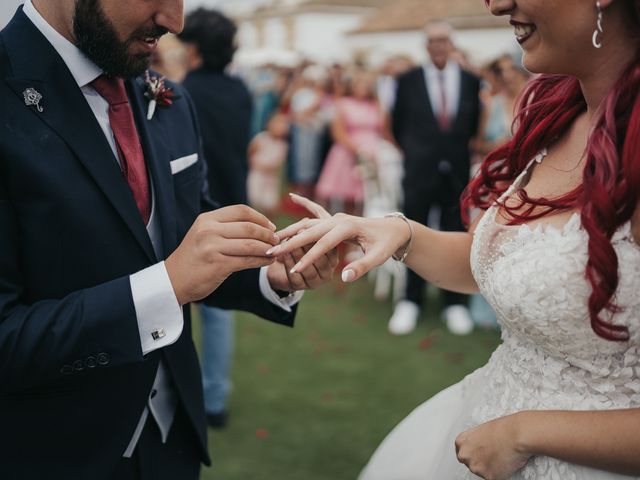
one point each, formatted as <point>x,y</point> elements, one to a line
<point>217,348</point>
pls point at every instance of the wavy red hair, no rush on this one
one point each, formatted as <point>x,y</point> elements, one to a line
<point>610,189</point>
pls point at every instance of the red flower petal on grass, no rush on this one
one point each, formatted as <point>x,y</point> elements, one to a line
<point>428,341</point>
<point>262,433</point>
<point>425,343</point>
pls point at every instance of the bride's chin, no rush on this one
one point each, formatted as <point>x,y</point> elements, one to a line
<point>530,63</point>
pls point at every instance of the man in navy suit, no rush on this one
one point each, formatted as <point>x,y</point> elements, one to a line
<point>436,113</point>
<point>103,245</point>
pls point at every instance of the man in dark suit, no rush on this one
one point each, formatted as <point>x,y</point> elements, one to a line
<point>436,114</point>
<point>99,378</point>
<point>224,109</point>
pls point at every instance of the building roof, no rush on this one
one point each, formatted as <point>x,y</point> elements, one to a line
<point>345,3</point>
<point>278,8</point>
<point>401,15</point>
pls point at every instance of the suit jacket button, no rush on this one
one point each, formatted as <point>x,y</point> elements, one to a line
<point>103,359</point>
<point>66,369</point>
<point>91,362</point>
<point>78,365</point>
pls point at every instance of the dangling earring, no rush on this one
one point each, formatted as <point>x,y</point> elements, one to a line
<point>597,42</point>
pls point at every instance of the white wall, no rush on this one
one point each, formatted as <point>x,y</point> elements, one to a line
<point>481,45</point>
<point>318,36</point>
<point>275,34</point>
<point>322,36</point>
<point>485,44</point>
<point>383,45</point>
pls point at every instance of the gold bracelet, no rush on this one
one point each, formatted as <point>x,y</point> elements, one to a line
<point>407,246</point>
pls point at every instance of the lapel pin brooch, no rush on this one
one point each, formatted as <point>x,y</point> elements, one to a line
<point>32,99</point>
<point>157,93</point>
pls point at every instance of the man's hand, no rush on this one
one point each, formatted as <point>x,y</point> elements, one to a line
<point>218,244</point>
<point>319,273</point>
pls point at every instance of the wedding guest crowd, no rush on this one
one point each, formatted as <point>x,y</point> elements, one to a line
<point>324,132</point>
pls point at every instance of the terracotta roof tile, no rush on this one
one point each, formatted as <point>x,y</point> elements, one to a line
<point>414,14</point>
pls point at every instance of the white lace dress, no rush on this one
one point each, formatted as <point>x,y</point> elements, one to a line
<point>549,359</point>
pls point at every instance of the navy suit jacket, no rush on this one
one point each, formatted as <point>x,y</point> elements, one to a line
<point>73,380</point>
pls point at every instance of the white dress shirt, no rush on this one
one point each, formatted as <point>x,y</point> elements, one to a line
<point>154,299</point>
<point>451,79</point>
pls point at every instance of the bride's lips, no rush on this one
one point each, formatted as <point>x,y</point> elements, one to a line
<point>523,31</point>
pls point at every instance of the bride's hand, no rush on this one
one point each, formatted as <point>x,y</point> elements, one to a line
<point>491,450</point>
<point>379,238</point>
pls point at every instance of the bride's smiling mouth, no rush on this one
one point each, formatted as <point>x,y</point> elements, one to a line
<point>523,31</point>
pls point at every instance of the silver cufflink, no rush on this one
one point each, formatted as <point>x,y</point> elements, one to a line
<point>158,334</point>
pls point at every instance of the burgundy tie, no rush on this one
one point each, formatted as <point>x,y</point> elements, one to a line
<point>443,114</point>
<point>127,140</point>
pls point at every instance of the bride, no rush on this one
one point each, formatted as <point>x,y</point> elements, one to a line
<point>555,251</point>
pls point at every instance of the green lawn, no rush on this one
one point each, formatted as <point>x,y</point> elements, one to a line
<point>313,402</point>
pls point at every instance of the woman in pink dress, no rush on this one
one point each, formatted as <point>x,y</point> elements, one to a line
<point>357,128</point>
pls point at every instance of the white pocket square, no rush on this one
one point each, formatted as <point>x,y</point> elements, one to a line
<point>181,163</point>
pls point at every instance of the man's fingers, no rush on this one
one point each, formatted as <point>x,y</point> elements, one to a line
<point>355,270</point>
<point>246,263</point>
<point>309,274</point>
<point>244,248</point>
<point>317,210</point>
<point>334,259</point>
<point>322,265</point>
<point>248,230</point>
<point>296,282</point>
<point>240,213</point>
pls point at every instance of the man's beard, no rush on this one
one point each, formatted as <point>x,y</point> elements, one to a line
<point>96,36</point>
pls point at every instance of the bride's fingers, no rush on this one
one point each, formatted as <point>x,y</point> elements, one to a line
<point>313,207</point>
<point>293,229</point>
<point>323,245</point>
<point>301,239</point>
<point>355,270</point>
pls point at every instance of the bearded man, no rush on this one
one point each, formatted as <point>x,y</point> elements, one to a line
<point>107,233</point>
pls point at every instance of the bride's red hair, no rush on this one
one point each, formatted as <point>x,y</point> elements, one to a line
<point>610,189</point>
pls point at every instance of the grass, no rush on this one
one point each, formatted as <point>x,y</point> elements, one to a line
<point>313,402</point>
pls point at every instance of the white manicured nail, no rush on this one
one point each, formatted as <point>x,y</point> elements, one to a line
<point>273,226</point>
<point>295,269</point>
<point>348,276</point>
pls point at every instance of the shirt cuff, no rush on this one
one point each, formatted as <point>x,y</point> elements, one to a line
<point>269,293</point>
<point>160,319</point>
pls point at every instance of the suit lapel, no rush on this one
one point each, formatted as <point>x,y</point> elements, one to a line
<point>66,111</point>
<point>152,133</point>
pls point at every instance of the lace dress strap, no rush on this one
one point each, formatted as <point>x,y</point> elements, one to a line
<point>516,183</point>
